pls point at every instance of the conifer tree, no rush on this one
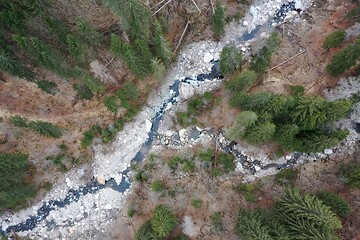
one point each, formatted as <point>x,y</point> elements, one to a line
<point>218,21</point>
<point>162,46</point>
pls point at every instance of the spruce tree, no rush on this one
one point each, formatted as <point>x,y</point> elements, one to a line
<point>162,46</point>
<point>218,21</point>
<point>230,60</point>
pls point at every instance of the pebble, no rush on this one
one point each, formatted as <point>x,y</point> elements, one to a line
<point>328,151</point>
<point>288,157</point>
<point>208,57</point>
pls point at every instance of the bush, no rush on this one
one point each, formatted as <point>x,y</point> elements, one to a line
<point>242,81</point>
<point>335,202</point>
<point>163,221</point>
<point>218,21</point>
<point>345,59</point>
<point>45,128</point>
<point>216,221</point>
<point>197,202</point>
<point>145,232</point>
<point>188,166</point>
<point>111,103</point>
<point>296,90</point>
<point>83,91</point>
<point>174,162</point>
<point>19,121</point>
<point>88,137</point>
<point>157,186</point>
<point>230,60</point>
<point>334,39</point>
<point>247,190</point>
<point>47,86</point>
<point>351,173</point>
<point>14,188</point>
<point>286,176</point>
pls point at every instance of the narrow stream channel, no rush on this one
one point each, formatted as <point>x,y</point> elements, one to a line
<point>73,195</point>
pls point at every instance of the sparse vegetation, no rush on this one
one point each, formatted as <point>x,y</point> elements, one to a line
<point>14,188</point>
<point>295,217</point>
<point>197,203</point>
<point>335,202</point>
<point>344,59</point>
<point>157,186</point>
<point>217,222</point>
<point>218,21</point>
<point>334,39</point>
<point>351,173</point>
<point>45,128</point>
<point>230,60</point>
<point>286,176</point>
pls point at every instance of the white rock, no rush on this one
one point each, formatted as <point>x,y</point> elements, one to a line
<point>101,179</point>
<point>328,151</point>
<point>211,50</point>
<point>288,157</point>
<point>198,128</point>
<point>169,133</point>
<point>186,91</point>
<point>68,182</point>
<point>208,57</point>
<point>298,4</point>
<point>243,49</point>
<point>216,56</point>
<point>245,23</point>
<point>148,125</point>
<point>182,133</point>
<point>239,167</point>
<point>257,168</point>
<point>108,206</point>
<point>118,179</point>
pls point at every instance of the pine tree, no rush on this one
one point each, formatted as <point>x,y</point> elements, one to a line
<point>261,132</point>
<point>162,46</point>
<point>250,226</point>
<point>338,109</point>
<point>133,62</point>
<point>309,112</point>
<point>218,21</point>
<point>163,221</point>
<point>158,69</point>
<point>143,51</point>
<point>88,32</point>
<point>117,45</point>
<point>241,82</point>
<point>306,217</point>
<point>244,120</point>
<point>230,60</point>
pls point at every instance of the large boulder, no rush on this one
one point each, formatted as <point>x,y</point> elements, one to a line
<point>186,91</point>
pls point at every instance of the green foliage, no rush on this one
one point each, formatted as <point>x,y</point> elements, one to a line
<point>286,176</point>
<point>335,202</point>
<point>47,186</point>
<point>196,105</point>
<point>77,48</point>
<point>131,212</point>
<point>163,221</point>
<point>247,189</point>
<point>188,165</point>
<point>83,91</point>
<point>11,64</point>
<point>218,21</point>
<point>296,90</point>
<point>230,60</point>
<point>47,86</point>
<point>355,13</point>
<point>217,163</point>
<point>306,217</point>
<point>94,84</point>
<point>45,128</point>
<point>14,189</point>
<point>57,27</point>
<point>197,202</point>
<point>141,176</point>
<point>162,46</point>
<point>116,45</point>
<point>135,17</point>
<point>250,226</point>
<point>241,82</point>
<point>19,121</point>
<point>261,132</point>
<point>157,186</point>
<point>217,222</point>
<point>351,173</point>
<point>262,60</point>
<point>111,103</point>
<point>88,32</point>
<point>158,69</point>
<point>146,232</point>
<point>88,137</point>
<point>297,123</point>
<point>334,39</point>
<point>345,59</point>
<point>134,62</point>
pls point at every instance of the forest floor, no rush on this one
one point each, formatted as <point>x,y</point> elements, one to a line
<point>218,195</point>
